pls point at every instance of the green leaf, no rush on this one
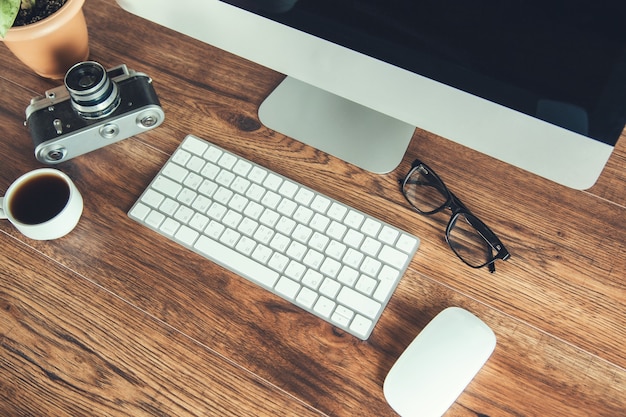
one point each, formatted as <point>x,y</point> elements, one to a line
<point>8,11</point>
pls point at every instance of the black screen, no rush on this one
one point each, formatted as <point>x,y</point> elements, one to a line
<point>518,53</point>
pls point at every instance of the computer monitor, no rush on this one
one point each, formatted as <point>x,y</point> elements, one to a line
<point>540,84</point>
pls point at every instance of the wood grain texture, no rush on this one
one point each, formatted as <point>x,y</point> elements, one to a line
<point>65,352</point>
<point>114,319</point>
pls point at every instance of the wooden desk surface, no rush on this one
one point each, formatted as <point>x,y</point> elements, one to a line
<point>115,320</point>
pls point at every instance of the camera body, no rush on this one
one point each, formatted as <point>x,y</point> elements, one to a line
<point>93,108</point>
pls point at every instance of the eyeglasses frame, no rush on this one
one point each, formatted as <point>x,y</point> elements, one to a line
<point>457,208</point>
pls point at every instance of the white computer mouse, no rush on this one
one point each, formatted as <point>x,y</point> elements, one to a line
<point>437,366</point>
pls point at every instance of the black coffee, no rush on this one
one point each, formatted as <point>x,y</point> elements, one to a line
<point>39,199</point>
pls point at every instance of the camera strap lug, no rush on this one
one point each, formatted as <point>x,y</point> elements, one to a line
<point>58,126</point>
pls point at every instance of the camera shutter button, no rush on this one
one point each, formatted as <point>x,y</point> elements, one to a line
<point>109,130</point>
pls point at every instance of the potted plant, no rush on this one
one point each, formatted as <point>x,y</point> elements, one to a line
<point>49,36</point>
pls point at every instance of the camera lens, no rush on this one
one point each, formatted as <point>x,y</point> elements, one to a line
<point>93,95</point>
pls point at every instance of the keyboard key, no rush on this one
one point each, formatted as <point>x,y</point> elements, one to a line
<point>175,172</point>
<point>195,164</point>
<point>184,214</point>
<point>152,198</point>
<point>212,154</point>
<point>167,186</point>
<point>155,219</point>
<point>285,225</point>
<point>388,235</point>
<point>194,145</point>
<point>210,171</point>
<point>337,211</point>
<point>318,241</point>
<point>313,259</point>
<point>319,222</point>
<point>288,189</point>
<point>169,206</point>
<point>320,203</point>
<point>272,182</point>
<point>257,174</point>
<point>262,253</point>
<point>353,238</point>
<point>306,297</point>
<point>169,226</point>
<point>296,250</point>
<point>358,302</point>
<point>242,167</point>
<point>406,243</point>
<point>354,219</point>
<point>330,288</point>
<point>393,256</point>
<point>371,246</point>
<point>278,261</point>
<point>304,196</point>
<point>336,230</point>
<point>246,246</point>
<point>227,161</point>
<point>199,221</point>
<point>336,249</point>
<point>366,284</point>
<point>186,235</point>
<point>287,288</point>
<point>225,178</point>
<point>230,237</point>
<point>371,227</point>
<point>360,326</point>
<point>193,181</point>
<point>269,218</point>
<point>186,196</point>
<point>353,258</point>
<point>370,266</point>
<point>140,211</point>
<point>214,229</point>
<point>312,279</point>
<point>348,276</point>
<point>181,157</point>
<point>330,267</point>
<point>303,214</point>
<point>207,188</point>
<point>295,270</point>
<point>324,306</point>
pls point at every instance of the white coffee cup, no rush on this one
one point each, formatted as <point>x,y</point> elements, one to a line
<point>42,204</point>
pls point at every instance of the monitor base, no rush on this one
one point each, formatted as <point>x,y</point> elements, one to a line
<point>354,133</point>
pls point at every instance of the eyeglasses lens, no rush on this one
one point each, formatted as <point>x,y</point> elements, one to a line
<point>467,242</point>
<point>424,191</point>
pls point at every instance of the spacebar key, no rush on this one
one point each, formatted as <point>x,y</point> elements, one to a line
<point>236,262</point>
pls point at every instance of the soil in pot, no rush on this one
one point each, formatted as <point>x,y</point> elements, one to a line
<point>38,12</point>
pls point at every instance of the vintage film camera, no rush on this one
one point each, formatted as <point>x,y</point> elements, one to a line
<point>93,108</point>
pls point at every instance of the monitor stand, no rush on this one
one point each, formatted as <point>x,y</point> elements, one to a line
<point>335,125</point>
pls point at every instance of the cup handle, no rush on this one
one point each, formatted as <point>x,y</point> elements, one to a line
<point>2,213</point>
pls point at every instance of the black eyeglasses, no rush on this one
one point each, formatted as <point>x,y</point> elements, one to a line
<point>469,238</point>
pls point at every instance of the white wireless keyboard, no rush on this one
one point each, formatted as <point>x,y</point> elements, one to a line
<point>336,262</point>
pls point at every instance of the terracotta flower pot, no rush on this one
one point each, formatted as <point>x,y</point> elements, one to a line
<point>51,46</point>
